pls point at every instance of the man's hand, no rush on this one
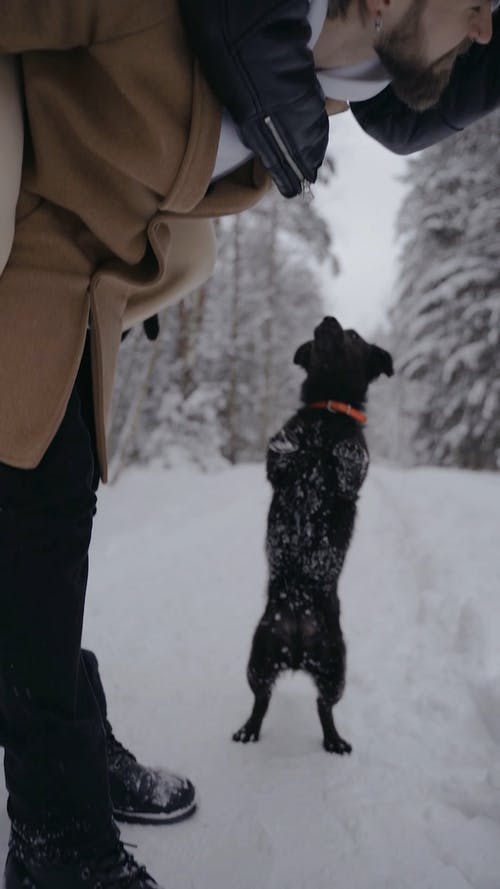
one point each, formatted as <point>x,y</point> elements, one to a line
<point>335,106</point>
<point>151,327</point>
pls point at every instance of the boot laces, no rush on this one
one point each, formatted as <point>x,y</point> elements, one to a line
<point>115,749</point>
<point>117,868</point>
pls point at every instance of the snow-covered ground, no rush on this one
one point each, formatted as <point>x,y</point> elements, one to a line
<point>177,584</point>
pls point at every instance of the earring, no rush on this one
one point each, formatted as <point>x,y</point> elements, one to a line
<point>377,22</point>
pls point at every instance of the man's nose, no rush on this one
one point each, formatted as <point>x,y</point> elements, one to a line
<point>481,27</point>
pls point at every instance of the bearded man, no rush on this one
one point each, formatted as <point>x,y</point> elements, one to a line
<point>143,121</point>
<point>362,46</point>
<point>473,91</point>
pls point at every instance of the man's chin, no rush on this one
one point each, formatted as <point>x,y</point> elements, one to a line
<point>416,103</point>
<point>420,95</point>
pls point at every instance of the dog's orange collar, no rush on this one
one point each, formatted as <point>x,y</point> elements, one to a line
<point>341,408</point>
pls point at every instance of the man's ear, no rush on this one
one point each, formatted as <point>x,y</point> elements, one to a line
<point>379,362</point>
<point>303,355</point>
<point>374,7</point>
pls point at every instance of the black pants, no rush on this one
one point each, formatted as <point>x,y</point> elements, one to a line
<point>50,721</point>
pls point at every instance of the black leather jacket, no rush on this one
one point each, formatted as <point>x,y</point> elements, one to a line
<point>473,91</point>
<point>255,56</point>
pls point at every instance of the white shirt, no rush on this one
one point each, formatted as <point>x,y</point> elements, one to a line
<point>351,83</point>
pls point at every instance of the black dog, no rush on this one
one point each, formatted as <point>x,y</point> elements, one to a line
<point>316,465</point>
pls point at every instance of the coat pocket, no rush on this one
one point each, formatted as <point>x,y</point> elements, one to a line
<point>185,251</point>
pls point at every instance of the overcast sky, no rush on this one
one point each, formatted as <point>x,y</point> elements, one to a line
<point>361,203</point>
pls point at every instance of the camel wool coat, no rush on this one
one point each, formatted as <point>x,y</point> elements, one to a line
<point>114,216</point>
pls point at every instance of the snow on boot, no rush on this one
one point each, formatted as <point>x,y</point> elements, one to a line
<point>139,795</point>
<point>111,868</point>
<point>142,795</point>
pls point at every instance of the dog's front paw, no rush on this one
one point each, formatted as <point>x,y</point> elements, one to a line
<point>245,734</point>
<point>337,745</point>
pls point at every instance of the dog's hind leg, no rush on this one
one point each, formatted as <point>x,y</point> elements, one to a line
<point>332,741</point>
<point>329,678</point>
<point>250,731</point>
<point>263,668</point>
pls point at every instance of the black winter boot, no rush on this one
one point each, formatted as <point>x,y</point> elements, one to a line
<point>142,795</point>
<point>107,867</point>
<point>139,794</point>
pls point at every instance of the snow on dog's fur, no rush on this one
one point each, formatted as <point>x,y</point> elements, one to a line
<point>316,465</point>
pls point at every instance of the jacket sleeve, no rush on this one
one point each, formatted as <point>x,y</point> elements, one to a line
<point>255,56</point>
<point>473,91</point>
<point>27,25</point>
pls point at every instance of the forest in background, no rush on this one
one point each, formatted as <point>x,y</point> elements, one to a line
<point>220,378</point>
<point>445,323</point>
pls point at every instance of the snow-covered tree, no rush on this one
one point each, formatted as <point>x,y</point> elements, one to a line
<point>446,323</point>
<point>220,378</point>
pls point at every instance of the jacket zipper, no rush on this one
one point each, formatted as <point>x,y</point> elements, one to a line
<point>305,185</point>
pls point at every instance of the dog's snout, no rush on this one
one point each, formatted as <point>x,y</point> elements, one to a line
<point>328,331</point>
<point>329,323</point>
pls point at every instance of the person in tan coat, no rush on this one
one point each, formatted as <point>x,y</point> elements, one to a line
<point>128,156</point>
<point>121,139</point>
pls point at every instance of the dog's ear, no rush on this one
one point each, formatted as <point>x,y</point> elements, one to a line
<point>302,356</point>
<point>379,362</point>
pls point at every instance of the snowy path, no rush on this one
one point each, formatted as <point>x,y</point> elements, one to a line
<point>176,587</point>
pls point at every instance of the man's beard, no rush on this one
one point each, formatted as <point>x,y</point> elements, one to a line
<point>417,84</point>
